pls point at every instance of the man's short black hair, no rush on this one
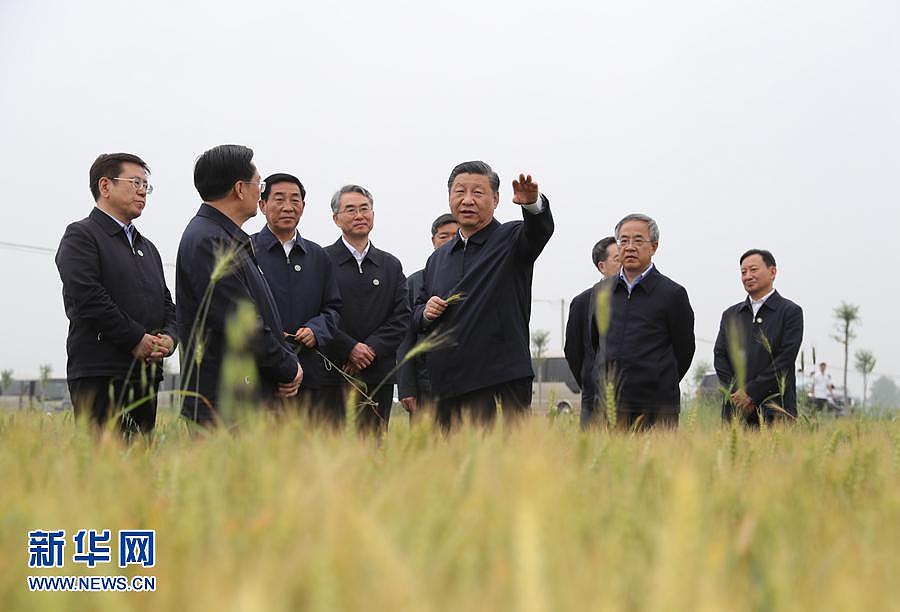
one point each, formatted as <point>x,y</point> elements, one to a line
<point>109,165</point>
<point>601,250</point>
<point>441,222</point>
<point>218,169</point>
<point>475,167</point>
<point>281,177</point>
<point>767,257</point>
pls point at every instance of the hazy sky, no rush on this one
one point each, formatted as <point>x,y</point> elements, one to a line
<point>772,124</point>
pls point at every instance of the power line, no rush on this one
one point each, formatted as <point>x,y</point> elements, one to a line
<point>33,248</point>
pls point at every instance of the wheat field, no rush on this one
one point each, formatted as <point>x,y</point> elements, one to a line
<point>277,515</point>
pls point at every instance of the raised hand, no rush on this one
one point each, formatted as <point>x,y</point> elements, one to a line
<point>525,190</point>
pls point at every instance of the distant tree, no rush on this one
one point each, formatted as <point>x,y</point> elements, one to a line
<point>539,341</point>
<point>45,371</point>
<point>6,379</point>
<point>700,371</point>
<point>846,315</point>
<point>885,393</point>
<point>865,363</point>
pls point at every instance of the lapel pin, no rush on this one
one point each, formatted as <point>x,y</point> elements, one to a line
<point>297,268</point>
<point>759,319</point>
<point>376,282</point>
<point>140,252</point>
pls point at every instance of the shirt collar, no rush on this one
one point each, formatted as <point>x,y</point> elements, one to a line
<point>358,255</point>
<point>763,299</point>
<point>631,286</point>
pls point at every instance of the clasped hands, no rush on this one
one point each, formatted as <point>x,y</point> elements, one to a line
<point>153,347</point>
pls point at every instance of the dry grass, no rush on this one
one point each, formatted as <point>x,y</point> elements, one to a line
<point>544,517</point>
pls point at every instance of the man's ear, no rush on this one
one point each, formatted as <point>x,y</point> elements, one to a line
<point>653,247</point>
<point>334,218</point>
<point>496,198</point>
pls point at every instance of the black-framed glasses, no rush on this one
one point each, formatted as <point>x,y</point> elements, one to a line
<point>136,183</point>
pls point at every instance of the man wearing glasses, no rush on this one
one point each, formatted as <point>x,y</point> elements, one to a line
<point>216,273</point>
<point>121,315</point>
<point>374,313</point>
<point>302,279</point>
<point>649,341</point>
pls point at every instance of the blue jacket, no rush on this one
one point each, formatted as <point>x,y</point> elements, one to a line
<point>489,326</point>
<point>205,237</point>
<point>306,293</point>
<point>113,295</point>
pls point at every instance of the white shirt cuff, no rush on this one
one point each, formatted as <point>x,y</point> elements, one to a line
<point>535,207</point>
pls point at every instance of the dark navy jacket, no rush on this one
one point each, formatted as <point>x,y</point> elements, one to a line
<point>306,292</point>
<point>113,295</point>
<point>490,325</point>
<point>650,342</point>
<point>375,311</point>
<point>412,377</point>
<point>780,321</point>
<point>206,236</point>
<point>578,350</point>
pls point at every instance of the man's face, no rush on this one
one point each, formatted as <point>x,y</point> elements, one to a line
<point>355,216</point>
<point>611,266</point>
<point>445,234</point>
<point>822,367</point>
<point>283,208</point>
<point>472,202</point>
<point>757,276</point>
<point>635,249</point>
<point>126,201</point>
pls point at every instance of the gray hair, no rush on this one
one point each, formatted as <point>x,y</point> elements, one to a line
<point>651,224</point>
<point>336,198</point>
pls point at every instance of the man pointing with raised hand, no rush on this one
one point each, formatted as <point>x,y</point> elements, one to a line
<point>477,289</point>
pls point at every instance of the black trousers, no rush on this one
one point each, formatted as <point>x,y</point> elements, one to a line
<point>643,420</point>
<point>100,398</point>
<point>480,406</point>
<point>328,405</point>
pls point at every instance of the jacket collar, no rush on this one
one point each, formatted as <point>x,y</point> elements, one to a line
<point>108,223</point>
<point>479,237</point>
<point>267,240</point>
<point>376,256</point>
<point>773,302</point>
<point>648,283</point>
<point>221,219</point>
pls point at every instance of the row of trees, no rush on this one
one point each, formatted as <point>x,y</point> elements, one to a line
<point>847,316</point>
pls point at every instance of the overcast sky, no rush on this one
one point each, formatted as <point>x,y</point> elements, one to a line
<point>771,124</point>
